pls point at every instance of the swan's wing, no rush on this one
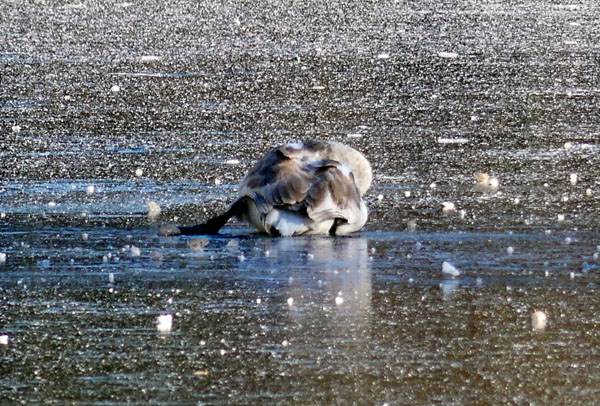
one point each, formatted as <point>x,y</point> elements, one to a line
<point>282,177</point>
<point>298,179</point>
<point>334,194</point>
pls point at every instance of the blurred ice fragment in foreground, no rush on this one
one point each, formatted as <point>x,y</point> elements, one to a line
<point>164,323</point>
<point>539,320</point>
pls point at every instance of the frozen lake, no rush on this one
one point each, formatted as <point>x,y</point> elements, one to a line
<point>106,106</point>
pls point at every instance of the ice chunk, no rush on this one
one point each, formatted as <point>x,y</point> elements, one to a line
<point>290,301</point>
<point>153,210</point>
<point>2,258</point>
<point>573,179</point>
<point>442,140</point>
<point>4,339</point>
<point>135,251</point>
<point>90,189</point>
<point>164,323</point>
<point>197,244</point>
<point>448,207</point>
<point>449,269</point>
<point>448,55</point>
<point>150,58</point>
<point>539,320</point>
<point>486,182</point>
<point>115,89</point>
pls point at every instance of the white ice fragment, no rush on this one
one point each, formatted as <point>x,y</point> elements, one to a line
<point>2,215</point>
<point>164,323</point>
<point>232,162</point>
<point>51,204</point>
<point>432,185</point>
<point>588,192</point>
<point>241,258</point>
<point>407,194</point>
<point>285,343</point>
<point>380,197</point>
<point>411,225</point>
<point>443,140</point>
<point>539,320</point>
<point>486,182</point>
<point>2,258</point>
<point>354,135</point>
<point>383,55</point>
<point>448,207</point>
<point>290,301</point>
<point>150,58</point>
<point>449,269</point>
<point>448,55</point>
<point>568,240</point>
<point>510,250</point>
<point>217,181</point>
<point>139,172</point>
<point>568,145</point>
<point>115,89</point>
<point>16,129</point>
<point>258,300</point>
<point>310,256</point>
<point>462,214</point>
<point>339,300</point>
<point>111,278</point>
<point>84,236</point>
<point>517,200</point>
<point>153,210</point>
<point>90,189</point>
<point>573,179</point>
<point>560,218</point>
<point>135,251</point>
<point>4,339</point>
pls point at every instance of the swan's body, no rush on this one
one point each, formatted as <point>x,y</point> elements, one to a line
<point>300,189</point>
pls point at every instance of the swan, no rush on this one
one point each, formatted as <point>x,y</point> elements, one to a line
<point>309,188</point>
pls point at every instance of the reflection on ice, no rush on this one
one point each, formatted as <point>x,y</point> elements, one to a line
<point>449,287</point>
